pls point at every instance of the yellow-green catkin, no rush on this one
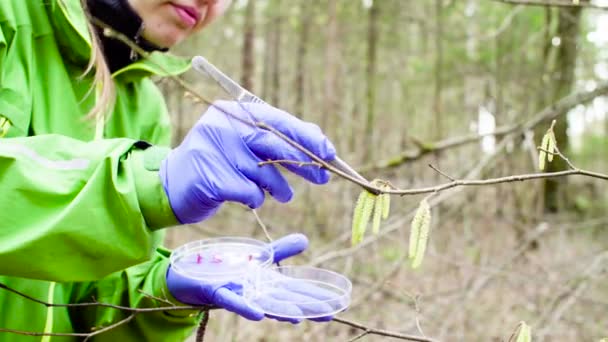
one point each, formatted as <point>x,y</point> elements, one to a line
<point>542,155</point>
<point>386,205</point>
<point>361,216</point>
<point>551,147</point>
<point>419,234</point>
<point>378,209</point>
<point>524,334</point>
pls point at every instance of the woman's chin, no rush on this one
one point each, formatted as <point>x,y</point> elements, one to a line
<point>166,38</point>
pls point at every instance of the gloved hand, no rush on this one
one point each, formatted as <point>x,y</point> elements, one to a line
<point>228,294</point>
<point>219,160</point>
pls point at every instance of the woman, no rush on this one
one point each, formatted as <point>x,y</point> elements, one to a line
<point>83,201</point>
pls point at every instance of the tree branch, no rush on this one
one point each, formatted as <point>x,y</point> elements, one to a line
<point>106,305</point>
<point>551,112</point>
<point>380,332</point>
<point>554,3</point>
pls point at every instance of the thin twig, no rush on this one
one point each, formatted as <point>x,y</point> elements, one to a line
<point>106,305</point>
<point>381,332</point>
<point>292,162</point>
<point>360,336</point>
<point>111,326</point>
<point>261,223</point>
<point>441,172</point>
<point>34,333</point>
<point>202,328</point>
<point>162,300</point>
<point>86,336</point>
<point>561,155</point>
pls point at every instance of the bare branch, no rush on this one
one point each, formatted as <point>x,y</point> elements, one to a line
<point>111,326</point>
<point>372,331</point>
<point>158,299</point>
<point>551,112</point>
<point>554,3</point>
<point>441,172</point>
<point>491,181</point>
<point>202,327</point>
<point>293,162</point>
<point>106,305</point>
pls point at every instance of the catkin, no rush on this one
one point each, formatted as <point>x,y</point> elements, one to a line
<point>419,234</point>
<point>386,205</point>
<point>361,216</point>
<point>378,209</point>
<point>524,333</point>
<point>543,155</point>
<point>551,147</point>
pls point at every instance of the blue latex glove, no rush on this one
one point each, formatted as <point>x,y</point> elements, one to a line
<point>228,294</point>
<point>219,160</point>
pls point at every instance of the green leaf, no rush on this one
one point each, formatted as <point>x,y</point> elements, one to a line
<point>419,234</point>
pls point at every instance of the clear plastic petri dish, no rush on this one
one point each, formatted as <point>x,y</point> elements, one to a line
<point>298,292</point>
<point>221,259</point>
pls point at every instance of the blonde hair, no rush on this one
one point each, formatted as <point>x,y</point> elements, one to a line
<point>103,84</point>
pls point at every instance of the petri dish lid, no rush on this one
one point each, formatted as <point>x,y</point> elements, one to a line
<point>298,292</point>
<point>221,259</point>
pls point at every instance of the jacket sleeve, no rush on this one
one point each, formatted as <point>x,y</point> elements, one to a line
<point>77,211</point>
<point>69,210</point>
<point>133,288</point>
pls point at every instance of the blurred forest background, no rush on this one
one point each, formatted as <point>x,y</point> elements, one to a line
<point>392,83</point>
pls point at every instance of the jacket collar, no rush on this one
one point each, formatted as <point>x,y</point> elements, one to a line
<point>70,25</point>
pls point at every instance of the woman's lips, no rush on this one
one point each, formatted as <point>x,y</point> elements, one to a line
<point>189,15</point>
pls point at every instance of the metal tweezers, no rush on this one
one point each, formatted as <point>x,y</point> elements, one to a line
<point>241,94</point>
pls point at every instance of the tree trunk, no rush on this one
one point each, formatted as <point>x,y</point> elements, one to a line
<point>562,77</point>
<point>302,52</point>
<point>437,101</point>
<point>248,49</point>
<point>330,97</point>
<point>276,55</point>
<point>372,37</point>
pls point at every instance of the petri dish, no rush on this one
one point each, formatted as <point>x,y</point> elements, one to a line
<point>221,259</point>
<point>298,292</point>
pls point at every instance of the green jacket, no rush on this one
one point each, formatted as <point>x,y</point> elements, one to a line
<point>79,215</point>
